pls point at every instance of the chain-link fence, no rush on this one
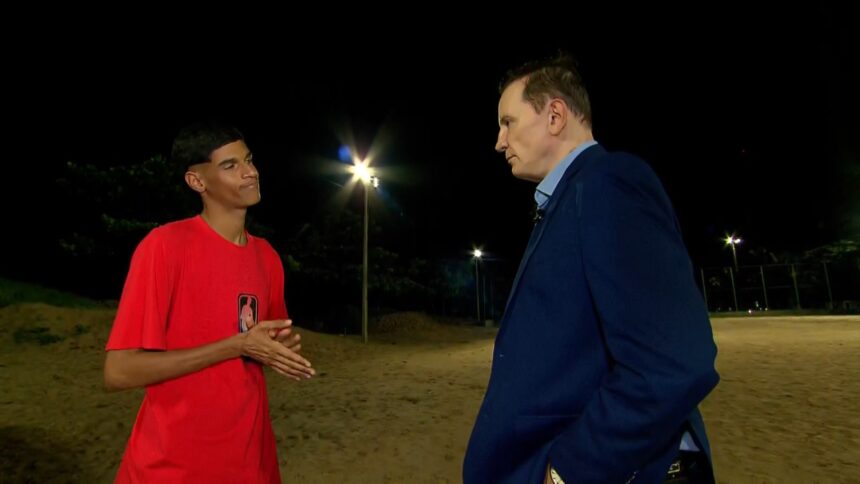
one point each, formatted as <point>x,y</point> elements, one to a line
<point>781,286</point>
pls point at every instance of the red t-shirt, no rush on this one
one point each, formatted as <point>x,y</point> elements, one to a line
<point>188,286</point>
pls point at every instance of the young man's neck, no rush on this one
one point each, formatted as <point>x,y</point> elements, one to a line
<point>229,224</point>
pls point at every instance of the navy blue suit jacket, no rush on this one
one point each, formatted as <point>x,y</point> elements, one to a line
<point>605,348</point>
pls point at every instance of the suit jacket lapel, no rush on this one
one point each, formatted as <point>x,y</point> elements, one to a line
<point>585,158</point>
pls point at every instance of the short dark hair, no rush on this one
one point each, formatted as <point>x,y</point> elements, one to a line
<point>195,143</point>
<point>555,77</point>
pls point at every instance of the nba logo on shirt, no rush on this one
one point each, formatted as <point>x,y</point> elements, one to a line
<point>247,312</point>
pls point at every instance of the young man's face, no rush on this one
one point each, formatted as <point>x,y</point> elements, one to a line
<point>230,178</point>
<point>523,135</point>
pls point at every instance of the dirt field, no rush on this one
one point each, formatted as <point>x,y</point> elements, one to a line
<point>400,409</point>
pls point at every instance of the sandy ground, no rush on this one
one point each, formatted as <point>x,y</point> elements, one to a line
<point>400,409</point>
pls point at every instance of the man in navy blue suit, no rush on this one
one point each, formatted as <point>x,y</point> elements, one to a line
<point>605,349</point>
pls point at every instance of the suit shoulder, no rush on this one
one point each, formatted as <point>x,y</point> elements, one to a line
<point>622,172</point>
<point>623,165</point>
<point>622,168</point>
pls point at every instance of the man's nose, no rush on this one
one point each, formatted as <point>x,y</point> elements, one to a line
<point>501,142</point>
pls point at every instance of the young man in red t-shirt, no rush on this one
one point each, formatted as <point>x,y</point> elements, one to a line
<point>202,310</point>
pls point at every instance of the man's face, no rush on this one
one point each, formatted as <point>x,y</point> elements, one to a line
<point>230,178</point>
<point>523,135</point>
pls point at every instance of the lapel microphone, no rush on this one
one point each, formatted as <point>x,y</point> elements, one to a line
<point>538,215</point>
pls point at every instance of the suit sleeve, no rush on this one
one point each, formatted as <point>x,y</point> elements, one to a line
<point>653,321</point>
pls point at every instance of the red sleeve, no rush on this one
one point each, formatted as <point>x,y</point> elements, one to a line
<point>141,319</point>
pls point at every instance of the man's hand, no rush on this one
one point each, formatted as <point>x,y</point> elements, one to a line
<point>548,477</point>
<point>258,343</point>
<point>287,337</point>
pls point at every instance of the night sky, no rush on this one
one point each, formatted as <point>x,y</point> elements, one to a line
<point>749,118</point>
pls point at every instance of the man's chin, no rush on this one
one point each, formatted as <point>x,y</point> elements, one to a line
<point>522,176</point>
<point>252,200</point>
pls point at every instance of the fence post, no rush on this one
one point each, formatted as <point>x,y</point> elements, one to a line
<point>794,279</point>
<point>764,287</point>
<point>734,292</point>
<point>827,280</point>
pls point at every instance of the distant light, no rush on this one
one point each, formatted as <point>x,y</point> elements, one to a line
<point>362,171</point>
<point>732,240</point>
<point>477,253</point>
<point>344,154</point>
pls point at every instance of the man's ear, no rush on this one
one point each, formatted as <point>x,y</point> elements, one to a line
<point>195,181</point>
<point>558,115</point>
